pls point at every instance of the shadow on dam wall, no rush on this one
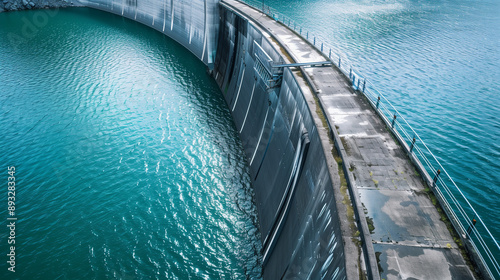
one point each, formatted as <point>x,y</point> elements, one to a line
<point>299,223</point>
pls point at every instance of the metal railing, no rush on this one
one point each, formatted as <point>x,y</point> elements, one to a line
<point>473,232</point>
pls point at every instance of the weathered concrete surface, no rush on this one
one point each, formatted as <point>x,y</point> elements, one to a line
<point>409,238</point>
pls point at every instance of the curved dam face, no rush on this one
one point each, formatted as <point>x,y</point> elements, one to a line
<point>294,193</point>
<point>193,24</point>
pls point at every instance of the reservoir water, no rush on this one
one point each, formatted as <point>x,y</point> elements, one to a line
<point>438,62</point>
<point>127,162</point>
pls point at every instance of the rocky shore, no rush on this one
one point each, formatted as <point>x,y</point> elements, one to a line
<point>14,5</point>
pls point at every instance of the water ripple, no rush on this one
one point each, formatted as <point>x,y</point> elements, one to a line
<point>128,161</point>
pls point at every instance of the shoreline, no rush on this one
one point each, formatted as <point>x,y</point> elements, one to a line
<point>19,5</point>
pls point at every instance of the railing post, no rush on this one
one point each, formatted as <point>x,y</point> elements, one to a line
<point>359,80</point>
<point>321,47</point>
<point>353,80</point>
<point>330,54</point>
<point>378,101</point>
<point>436,177</point>
<point>394,121</point>
<point>350,73</point>
<point>314,40</point>
<point>307,35</point>
<point>471,227</point>
<point>364,85</point>
<point>412,144</point>
<point>339,62</point>
<point>300,32</point>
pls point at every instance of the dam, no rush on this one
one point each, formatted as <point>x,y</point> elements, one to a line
<point>292,111</point>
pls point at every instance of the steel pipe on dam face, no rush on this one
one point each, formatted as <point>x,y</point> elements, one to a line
<point>294,194</point>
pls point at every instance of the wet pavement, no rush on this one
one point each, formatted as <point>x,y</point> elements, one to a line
<point>406,233</point>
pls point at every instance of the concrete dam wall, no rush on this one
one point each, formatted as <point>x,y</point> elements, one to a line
<point>298,217</point>
<point>299,221</point>
<point>193,24</point>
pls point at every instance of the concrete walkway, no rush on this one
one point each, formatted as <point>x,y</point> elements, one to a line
<point>409,238</point>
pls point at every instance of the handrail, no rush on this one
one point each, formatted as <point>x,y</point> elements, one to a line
<point>474,235</point>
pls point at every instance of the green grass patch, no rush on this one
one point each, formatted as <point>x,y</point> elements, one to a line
<point>371,226</point>
<point>377,255</point>
<point>416,173</point>
<point>352,168</point>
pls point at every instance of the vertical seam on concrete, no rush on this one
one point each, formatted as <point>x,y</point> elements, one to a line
<point>205,33</point>
<point>239,89</point>
<point>260,137</point>
<point>164,13</point>
<point>191,23</point>
<point>135,16</point>
<point>248,108</point>
<point>172,15</point>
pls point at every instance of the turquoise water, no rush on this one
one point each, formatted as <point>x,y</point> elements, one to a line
<point>438,62</point>
<point>127,161</point>
<point>128,165</point>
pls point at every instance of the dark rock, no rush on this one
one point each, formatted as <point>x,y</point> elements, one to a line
<point>12,5</point>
